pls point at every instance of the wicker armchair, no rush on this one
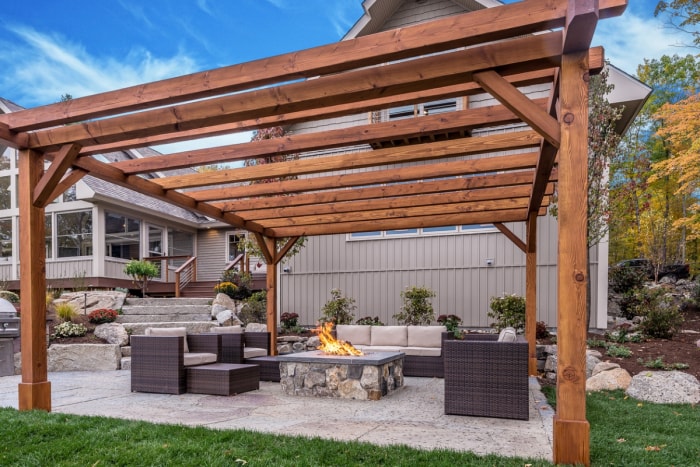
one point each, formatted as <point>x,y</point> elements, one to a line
<point>158,362</point>
<point>484,377</point>
<point>238,347</point>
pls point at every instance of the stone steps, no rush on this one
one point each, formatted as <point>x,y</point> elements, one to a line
<point>162,310</point>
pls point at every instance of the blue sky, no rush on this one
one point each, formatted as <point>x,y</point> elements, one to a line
<point>49,48</point>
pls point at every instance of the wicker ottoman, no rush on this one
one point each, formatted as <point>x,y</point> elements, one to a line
<point>223,379</point>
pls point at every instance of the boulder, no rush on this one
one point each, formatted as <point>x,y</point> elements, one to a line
<point>256,327</point>
<point>84,357</point>
<point>114,333</point>
<point>608,377</point>
<point>94,299</point>
<point>217,308</point>
<point>223,300</point>
<point>591,362</point>
<point>665,387</point>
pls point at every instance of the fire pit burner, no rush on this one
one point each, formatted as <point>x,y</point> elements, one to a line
<point>366,377</point>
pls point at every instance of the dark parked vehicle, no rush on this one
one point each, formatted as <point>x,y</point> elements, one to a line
<point>677,271</point>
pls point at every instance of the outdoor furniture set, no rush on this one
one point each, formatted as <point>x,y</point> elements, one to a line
<point>485,374</point>
<point>170,361</point>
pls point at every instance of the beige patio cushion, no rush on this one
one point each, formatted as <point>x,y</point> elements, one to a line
<point>425,336</point>
<point>227,330</point>
<point>169,332</point>
<point>389,335</point>
<point>199,358</point>
<point>356,334</point>
<point>507,335</point>
<point>250,352</point>
<point>422,351</point>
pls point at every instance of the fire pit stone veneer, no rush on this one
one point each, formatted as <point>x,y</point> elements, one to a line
<point>366,377</point>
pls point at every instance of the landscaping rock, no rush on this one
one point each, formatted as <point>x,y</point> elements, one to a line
<point>95,299</point>
<point>665,387</point>
<point>227,318</point>
<point>256,327</point>
<point>84,357</point>
<point>224,301</point>
<point>114,333</point>
<point>126,363</point>
<point>591,362</point>
<point>608,377</point>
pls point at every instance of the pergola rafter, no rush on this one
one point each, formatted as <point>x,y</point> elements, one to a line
<point>432,171</point>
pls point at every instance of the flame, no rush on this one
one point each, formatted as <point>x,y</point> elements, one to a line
<point>331,345</point>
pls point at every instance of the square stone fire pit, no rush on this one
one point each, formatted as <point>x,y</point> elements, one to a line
<point>365,377</point>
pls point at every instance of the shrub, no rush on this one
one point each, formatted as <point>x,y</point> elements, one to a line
<point>141,272</point>
<point>507,311</point>
<point>659,364</point>
<point>636,302</point>
<point>69,329</point>
<point>451,322</point>
<point>416,309</point>
<point>661,321</point>
<point>369,321</point>
<point>289,320</point>
<point>65,311</point>
<point>541,331</point>
<point>228,288</point>
<point>254,309</point>
<point>338,309</point>
<point>242,282</point>
<point>625,278</point>
<point>9,296</point>
<point>619,351</point>
<point>103,315</point>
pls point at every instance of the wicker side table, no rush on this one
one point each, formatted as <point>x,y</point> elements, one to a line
<point>223,379</point>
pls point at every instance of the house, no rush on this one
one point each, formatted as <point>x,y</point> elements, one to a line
<point>95,227</point>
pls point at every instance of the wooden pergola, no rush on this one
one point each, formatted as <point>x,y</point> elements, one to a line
<point>494,50</point>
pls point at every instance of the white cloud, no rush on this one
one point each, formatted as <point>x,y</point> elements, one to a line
<point>41,68</point>
<point>629,39</point>
<point>213,141</point>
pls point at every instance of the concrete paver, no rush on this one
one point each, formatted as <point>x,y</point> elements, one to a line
<point>413,416</point>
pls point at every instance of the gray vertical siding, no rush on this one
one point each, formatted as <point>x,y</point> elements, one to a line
<point>211,253</point>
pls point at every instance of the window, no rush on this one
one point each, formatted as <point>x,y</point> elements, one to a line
<point>74,234</point>
<point>122,236</point>
<point>429,108</point>
<point>5,192</point>
<point>427,231</point>
<point>49,240</point>
<point>180,244</point>
<point>70,194</point>
<point>6,158</point>
<point>5,240</point>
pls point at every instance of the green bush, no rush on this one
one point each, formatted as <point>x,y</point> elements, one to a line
<point>254,310</point>
<point>416,309</point>
<point>69,329</point>
<point>661,321</point>
<point>619,351</point>
<point>507,311</point>
<point>289,320</point>
<point>9,296</point>
<point>141,272</point>
<point>369,321</point>
<point>625,278</point>
<point>541,331</point>
<point>65,311</point>
<point>451,322</point>
<point>242,282</point>
<point>636,302</point>
<point>338,309</point>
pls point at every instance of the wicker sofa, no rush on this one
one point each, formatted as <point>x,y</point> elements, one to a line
<point>160,358</point>
<point>422,345</point>
<point>487,377</point>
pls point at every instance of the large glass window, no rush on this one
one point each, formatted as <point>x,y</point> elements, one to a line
<point>122,236</point>
<point>5,239</point>
<point>5,192</point>
<point>49,240</point>
<point>74,234</point>
<point>6,157</point>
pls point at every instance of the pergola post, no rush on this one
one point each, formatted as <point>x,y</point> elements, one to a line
<point>531,292</point>
<point>571,429</point>
<point>34,390</point>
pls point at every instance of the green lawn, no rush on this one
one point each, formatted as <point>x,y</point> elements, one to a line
<point>624,432</point>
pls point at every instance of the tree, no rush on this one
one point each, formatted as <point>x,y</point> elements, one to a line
<point>251,244</point>
<point>683,15</point>
<point>681,130</point>
<point>141,272</point>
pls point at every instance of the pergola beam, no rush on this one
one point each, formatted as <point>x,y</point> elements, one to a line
<point>426,38</point>
<point>62,161</point>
